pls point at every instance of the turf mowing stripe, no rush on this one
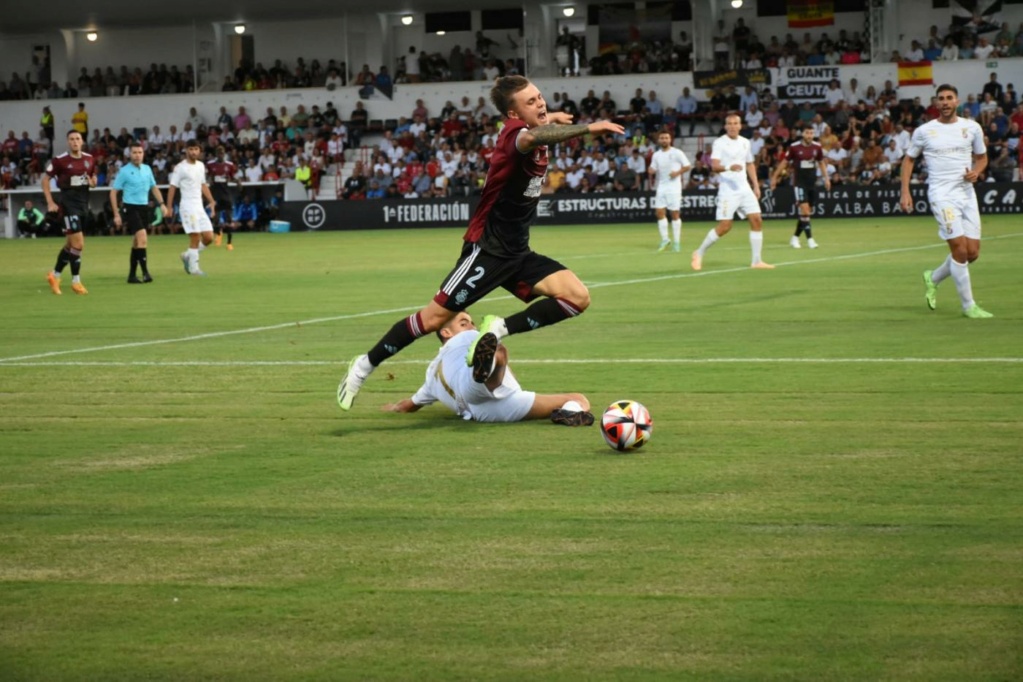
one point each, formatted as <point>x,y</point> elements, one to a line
<point>354,316</point>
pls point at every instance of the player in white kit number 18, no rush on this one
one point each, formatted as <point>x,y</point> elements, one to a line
<point>667,166</point>
<point>738,192</point>
<point>953,149</point>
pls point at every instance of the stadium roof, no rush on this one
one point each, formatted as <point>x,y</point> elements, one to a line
<point>38,17</point>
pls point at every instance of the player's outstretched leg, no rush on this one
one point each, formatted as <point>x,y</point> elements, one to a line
<point>352,381</point>
<point>931,290</point>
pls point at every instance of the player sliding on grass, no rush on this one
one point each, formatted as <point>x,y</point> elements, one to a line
<point>495,249</point>
<point>954,151</point>
<point>498,397</point>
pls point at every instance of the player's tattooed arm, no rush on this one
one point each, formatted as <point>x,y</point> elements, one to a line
<point>552,133</point>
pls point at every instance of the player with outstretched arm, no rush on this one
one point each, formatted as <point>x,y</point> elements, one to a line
<point>495,249</point>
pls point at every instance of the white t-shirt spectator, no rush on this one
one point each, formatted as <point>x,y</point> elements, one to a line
<point>754,118</point>
<point>983,51</point>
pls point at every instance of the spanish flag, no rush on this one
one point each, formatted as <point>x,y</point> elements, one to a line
<point>915,73</point>
<point>810,13</point>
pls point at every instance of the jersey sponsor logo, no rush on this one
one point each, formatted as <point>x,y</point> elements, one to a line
<point>533,188</point>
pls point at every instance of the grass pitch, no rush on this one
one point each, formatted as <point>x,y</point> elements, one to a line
<point>832,490</point>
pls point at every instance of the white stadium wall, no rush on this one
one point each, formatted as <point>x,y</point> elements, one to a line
<point>165,110</point>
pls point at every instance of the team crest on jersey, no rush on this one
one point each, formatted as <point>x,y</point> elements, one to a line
<point>461,296</point>
<point>964,133</point>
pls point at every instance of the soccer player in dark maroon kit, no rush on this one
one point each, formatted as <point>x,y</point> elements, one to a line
<point>495,249</point>
<point>806,156</point>
<point>75,172</point>
<point>222,172</point>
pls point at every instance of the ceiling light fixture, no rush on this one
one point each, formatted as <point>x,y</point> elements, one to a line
<point>92,36</point>
<point>736,4</point>
<point>239,28</point>
<point>568,11</point>
<point>407,20</point>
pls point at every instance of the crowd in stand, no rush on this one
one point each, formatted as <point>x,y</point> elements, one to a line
<point>738,47</point>
<point>864,132</point>
<point>964,42</point>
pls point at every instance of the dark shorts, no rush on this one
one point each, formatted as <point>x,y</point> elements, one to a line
<point>806,194</point>
<point>73,218</point>
<point>137,217</point>
<point>477,273</point>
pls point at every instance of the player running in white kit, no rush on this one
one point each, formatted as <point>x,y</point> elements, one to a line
<point>190,177</point>
<point>953,149</point>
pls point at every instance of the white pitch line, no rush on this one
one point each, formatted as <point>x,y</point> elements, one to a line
<point>372,313</point>
<point>526,361</point>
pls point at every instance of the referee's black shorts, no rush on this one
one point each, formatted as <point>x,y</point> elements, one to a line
<point>137,217</point>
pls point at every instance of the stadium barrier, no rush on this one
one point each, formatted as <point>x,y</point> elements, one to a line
<point>844,201</point>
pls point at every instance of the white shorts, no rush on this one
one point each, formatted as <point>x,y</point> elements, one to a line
<point>957,214</point>
<point>509,403</point>
<point>669,200</point>
<point>195,219</point>
<point>742,202</point>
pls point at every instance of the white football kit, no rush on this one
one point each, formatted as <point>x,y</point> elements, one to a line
<point>735,196</point>
<point>450,381</point>
<point>948,150</point>
<point>189,179</point>
<point>668,193</point>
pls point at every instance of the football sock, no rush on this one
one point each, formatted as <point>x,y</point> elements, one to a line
<point>756,242</point>
<point>63,258</point>
<point>402,334</point>
<point>193,258</point>
<point>799,227</point>
<point>143,260</point>
<point>806,228</point>
<point>662,227</point>
<point>943,271</point>
<point>676,230</point>
<point>76,262</point>
<point>542,313</point>
<point>134,262</point>
<point>230,236</point>
<point>961,276</point>
<point>708,241</point>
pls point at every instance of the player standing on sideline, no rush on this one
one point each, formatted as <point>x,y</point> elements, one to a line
<point>495,250</point>
<point>136,181</point>
<point>190,176</point>
<point>669,165</point>
<point>807,157</point>
<point>498,398</point>
<point>75,172</point>
<point>223,172</point>
<point>953,149</point>
<point>739,192</point>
